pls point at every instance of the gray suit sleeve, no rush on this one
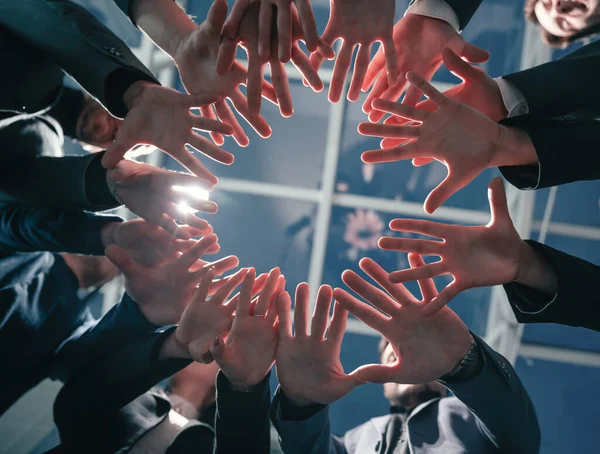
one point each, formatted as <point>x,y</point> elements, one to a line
<point>80,45</point>
<point>500,402</point>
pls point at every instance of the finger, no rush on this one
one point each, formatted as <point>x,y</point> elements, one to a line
<point>272,310</point>
<point>413,96</point>
<point>327,39</point>
<point>223,293</point>
<point>369,292</point>
<point>284,30</point>
<point>256,68</point>
<point>207,112</point>
<point>376,373</point>
<point>282,88</point>
<point>443,298</point>
<point>265,17</point>
<point>471,52</point>
<point>168,224</point>
<point>202,293</point>
<point>400,110</point>
<point>232,24</point>
<point>340,71</point>
<point>427,286</point>
<point>227,116</point>
<point>426,88</point>
<point>419,162</point>
<point>268,92</point>
<point>360,68</point>
<point>226,55</point>
<point>245,297</point>
<point>337,327</point>
<point>442,193</point>
<point>374,69</point>
<point>122,260</point>
<point>391,59</point>
<point>309,24</point>
<point>257,287</point>
<point>498,203</point>
<point>428,228</point>
<point>210,124</point>
<point>218,349</point>
<point>360,310</point>
<point>383,130</point>
<point>284,304</point>
<point>399,153</point>
<point>390,94</point>
<point>457,65</point>
<point>310,74</point>
<point>321,312</point>
<point>262,306</point>
<point>194,231</point>
<point>116,151</point>
<point>197,101</point>
<point>381,85</point>
<point>224,264</point>
<point>301,310</point>
<point>424,247</point>
<point>186,158</point>
<point>209,149</point>
<point>216,16</point>
<point>190,257</point>
<point>397,291</point>
<point>258,123</point>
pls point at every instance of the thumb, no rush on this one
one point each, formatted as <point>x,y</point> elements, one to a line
<point>121,259</point>
<point>440,194</point>
<point>457,65</point>
<point>375,373</point>
<point>217,349</point>
<point>116,151</point>
<point>498,203</point>
<point>471,52</point>
<point>216,15</point>
<point>197,101</point>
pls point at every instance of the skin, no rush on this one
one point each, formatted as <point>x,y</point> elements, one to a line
<point>95,125</point>
<point>564,18</point>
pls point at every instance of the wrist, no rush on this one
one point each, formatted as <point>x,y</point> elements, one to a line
<point>514,148</point>
<point>535,272</point>
<point>172,348</point>
<point>134,93</point>
<point>298,400</point>
<point>108,233</point>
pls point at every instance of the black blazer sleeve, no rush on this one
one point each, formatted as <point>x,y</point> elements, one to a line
<point>74,40</point>
<point>27,229</point>
<point>242,419</point>
<point>575,304</point>
<point>464,9</point>
<point>567,149</point>
<point>563,86</point>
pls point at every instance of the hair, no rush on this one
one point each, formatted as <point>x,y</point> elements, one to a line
<point>559,42</point>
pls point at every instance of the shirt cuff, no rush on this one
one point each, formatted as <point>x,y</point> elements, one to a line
<point>289,411</point>
<point>97,193</point>
<point>513,98</point>
<point>438,9</point>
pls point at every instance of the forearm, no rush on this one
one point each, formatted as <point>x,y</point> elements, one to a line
<point>163,21</point>
<point>242,420</point>
<point>27,229</point>
<point>535,272</point>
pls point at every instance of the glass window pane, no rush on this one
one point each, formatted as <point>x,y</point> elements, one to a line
<point>575,203</point>
<point>566,404</point>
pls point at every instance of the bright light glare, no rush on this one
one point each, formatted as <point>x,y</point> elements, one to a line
<point>185,208</point>
<point>193,191</point>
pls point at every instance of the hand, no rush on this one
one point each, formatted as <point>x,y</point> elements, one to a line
<point>204,319</point>
<point>163,292</point>
<point>161,116</point>
<point>153,194</point>
<point>148,244</point>
<point>425,348</point>
<point>419,43</point>
<point>284,25</point>
<point>196,59</point>
<point>248,38</point>
<point>308,365</point>
<point>249,351</point>
<point>478,256</point>
<point>462,139</point>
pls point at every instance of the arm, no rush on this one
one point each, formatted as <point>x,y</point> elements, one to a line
<point>27,229</point>
<point>501,403</point>
<point>574,300</point>
<point>455,12</point>
<point>80,45</point>
<point>550,138</point>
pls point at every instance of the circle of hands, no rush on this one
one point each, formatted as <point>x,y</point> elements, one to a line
<point>249,332</point>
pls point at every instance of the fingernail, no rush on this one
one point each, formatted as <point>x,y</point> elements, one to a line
<point>216,341</point>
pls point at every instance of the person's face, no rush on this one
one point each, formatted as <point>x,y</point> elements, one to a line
<point>408,396</point>
<point>565,18</point>
<point>95,126</point>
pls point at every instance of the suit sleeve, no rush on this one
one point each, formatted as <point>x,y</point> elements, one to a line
<point>575,304</point>
<point>309,435</point>
<point>80,45</point>
<point>27,229</point>
<point>566,150</point>
<point>563,86</point>
<point>501,404</point>
<point>242,418</point>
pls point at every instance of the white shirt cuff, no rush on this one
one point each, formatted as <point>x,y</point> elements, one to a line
<point>438,9</point>
<point>513,99</point>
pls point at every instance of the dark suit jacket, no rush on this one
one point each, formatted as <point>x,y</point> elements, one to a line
<point>575,304</point>
<point>464,9</point>
<point>490,413</point>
